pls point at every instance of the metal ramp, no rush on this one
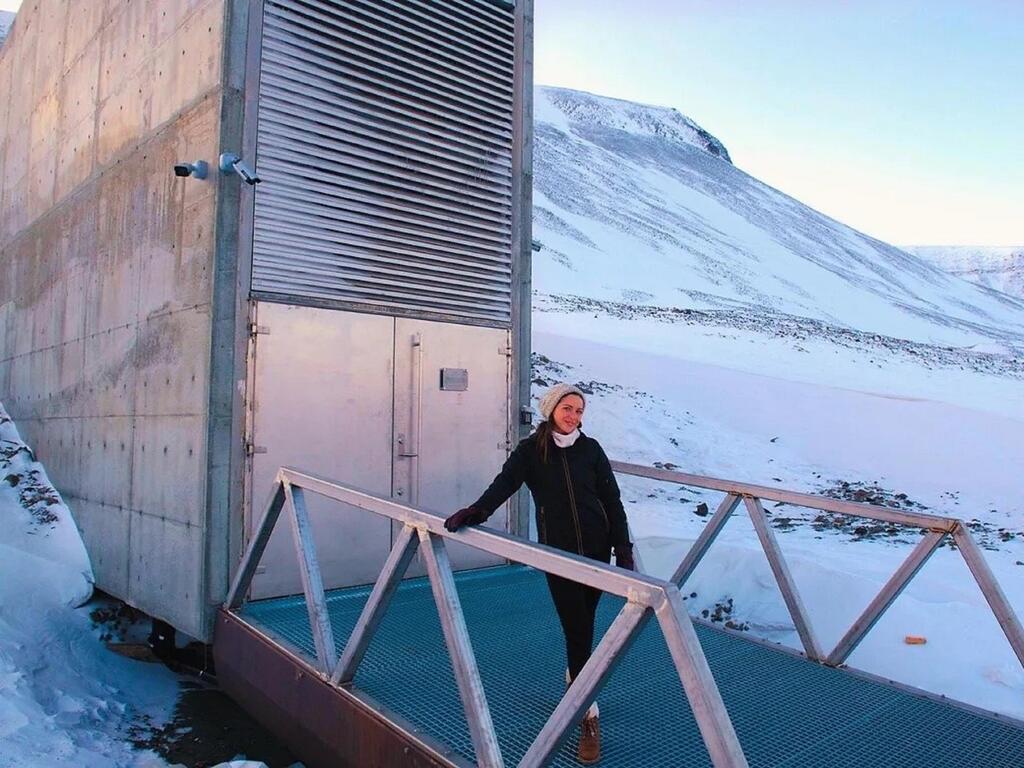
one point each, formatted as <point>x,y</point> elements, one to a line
<point>462,669</point>
<point>788,712</point>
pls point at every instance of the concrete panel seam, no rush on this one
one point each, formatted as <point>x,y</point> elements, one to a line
<point>40,419</point>
<point>71,497</point>
<point>88,337</point>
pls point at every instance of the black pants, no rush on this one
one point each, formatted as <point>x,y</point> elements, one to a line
<point>576,605</point>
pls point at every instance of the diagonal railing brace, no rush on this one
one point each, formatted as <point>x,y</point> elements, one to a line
<point>783,578</point>
<point>377,603</point>
<point>581,693</point>
<point>880,604</point>
<point>1005,615</point>
<point>460,649</point>
<point>312,583</point>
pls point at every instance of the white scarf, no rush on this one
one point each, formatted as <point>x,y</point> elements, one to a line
<point>564,441</point>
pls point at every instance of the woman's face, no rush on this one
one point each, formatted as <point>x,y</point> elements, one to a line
<point>568,413</point>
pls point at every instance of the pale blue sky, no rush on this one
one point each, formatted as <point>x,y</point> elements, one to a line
<point>903,119</point>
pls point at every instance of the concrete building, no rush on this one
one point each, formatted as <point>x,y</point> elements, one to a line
<point>167,342</point>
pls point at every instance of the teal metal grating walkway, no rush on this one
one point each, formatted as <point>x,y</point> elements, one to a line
<point>788,712</point>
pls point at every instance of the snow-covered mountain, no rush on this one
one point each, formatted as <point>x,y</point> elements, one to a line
<point>663,123</point>
<point>619,182</point>
<point>727,329</point>
<point>999,268</point>
<point>6,20</point>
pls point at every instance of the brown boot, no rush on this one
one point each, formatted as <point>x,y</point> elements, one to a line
<point>589,750</point>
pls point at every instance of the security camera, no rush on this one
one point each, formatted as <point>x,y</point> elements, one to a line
<point>197,169</point>
<point>248,175</point>
<point>232,163</point>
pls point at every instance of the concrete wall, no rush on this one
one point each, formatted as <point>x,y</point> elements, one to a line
<point>106,277</point>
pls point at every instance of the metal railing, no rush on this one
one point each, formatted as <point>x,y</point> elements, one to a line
<point>936,528</point>
<point>646,598</point>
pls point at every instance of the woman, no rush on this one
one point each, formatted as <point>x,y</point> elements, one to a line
<point>578,510</point>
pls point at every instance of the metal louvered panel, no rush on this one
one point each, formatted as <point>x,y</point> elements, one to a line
<point>385,140</point>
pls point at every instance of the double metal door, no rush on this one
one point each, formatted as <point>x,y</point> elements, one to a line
<point>450,436</point>
<point>407,409</point>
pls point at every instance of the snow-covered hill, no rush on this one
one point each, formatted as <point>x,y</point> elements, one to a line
<point>1001,269</point>
<point>727,329</point>
<point>622,184</point>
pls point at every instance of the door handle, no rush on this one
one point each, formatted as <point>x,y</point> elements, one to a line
<point>409,444</point>
<point>416,402</point>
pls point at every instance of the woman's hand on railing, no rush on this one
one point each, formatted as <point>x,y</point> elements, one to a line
<point>624,557</point>
<point>465,516</point>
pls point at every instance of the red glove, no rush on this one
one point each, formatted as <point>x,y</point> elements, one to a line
<point>624,557</point>
<point>465,516</point>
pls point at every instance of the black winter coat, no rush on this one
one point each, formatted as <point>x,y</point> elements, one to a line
<point>577,499</point>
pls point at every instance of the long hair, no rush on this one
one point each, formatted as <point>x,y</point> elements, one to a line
<point>544,431</point>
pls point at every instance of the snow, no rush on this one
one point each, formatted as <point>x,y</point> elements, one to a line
<point>64,699</point>
<point>702,234</point>
<point>558,105</point>
<point>715,421</point>
<point>998,268</point>
<point>728,330</point>
<point>6,20</point>
<point>721,327</point>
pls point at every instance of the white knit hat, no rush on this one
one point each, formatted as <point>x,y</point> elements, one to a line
<point>553,396</point>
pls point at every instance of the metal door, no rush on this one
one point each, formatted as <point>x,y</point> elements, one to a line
<point>322,403</point>
<point>450,437</point>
